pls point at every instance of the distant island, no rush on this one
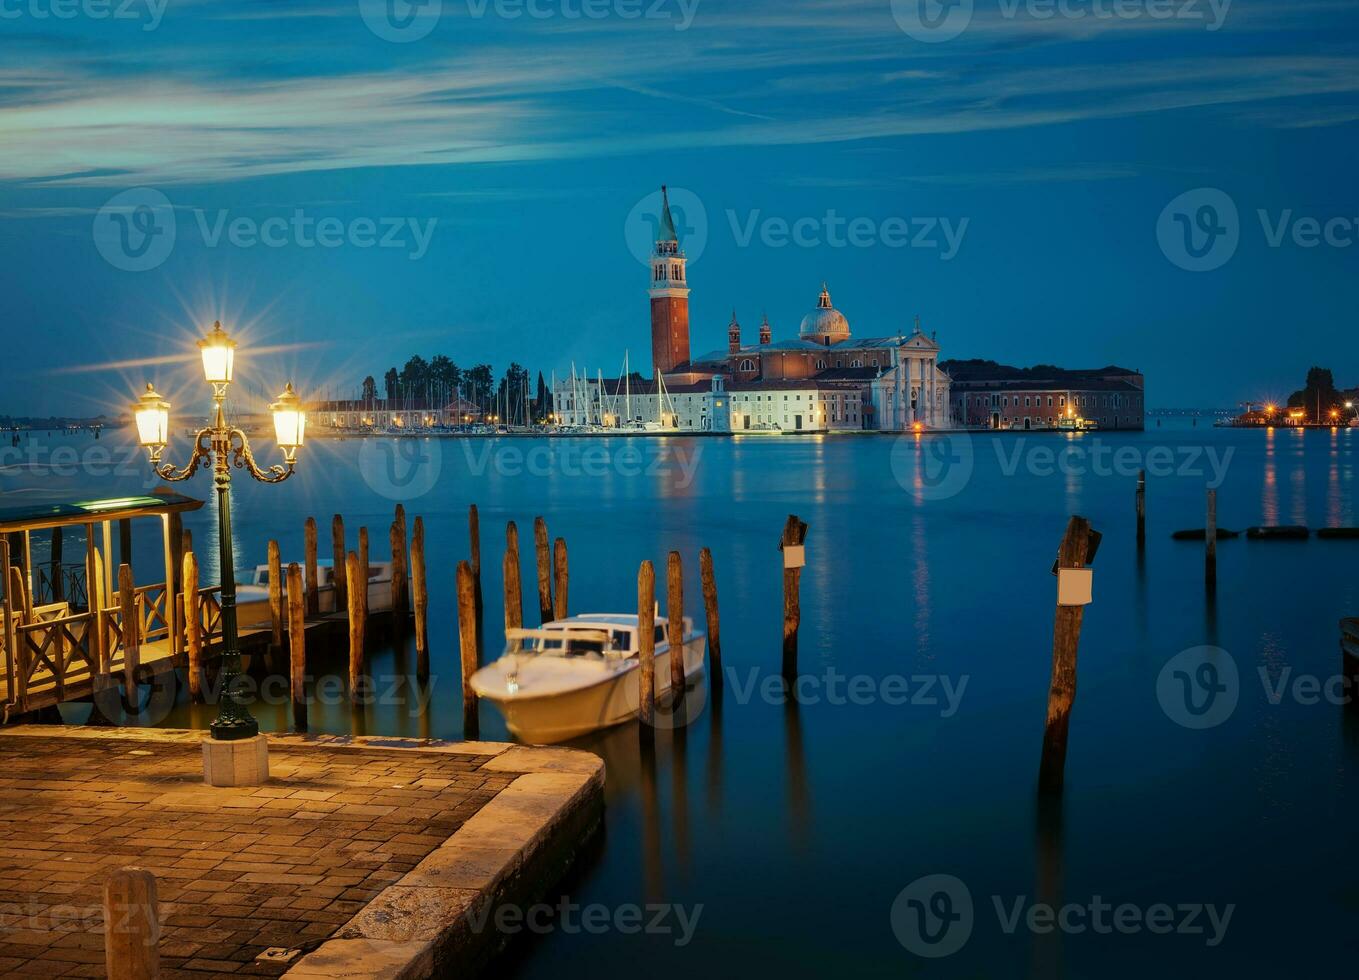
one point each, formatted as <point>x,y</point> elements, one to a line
<point>51,422</point>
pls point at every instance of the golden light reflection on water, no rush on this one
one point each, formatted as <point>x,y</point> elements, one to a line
<point>1269,494</point>
<point>1298,479</point>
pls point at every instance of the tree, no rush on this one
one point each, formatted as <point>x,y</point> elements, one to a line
<point>1319,397</point>
<point>543,404</point>
<point>414,377</point>
<point>390,379</point>
<point>369,389</point>
<point>477,383</point>
<point>444,373</point>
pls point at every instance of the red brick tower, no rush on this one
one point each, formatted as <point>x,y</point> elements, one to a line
<point>734,335</point>
<point>669,297</point>
<point>766,331</point>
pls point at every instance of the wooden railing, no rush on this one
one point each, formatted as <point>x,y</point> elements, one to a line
<point>59,641</point>
<point>62,583</point>
<point>210,613</point>
<point>153,612</point>
<point>59,648</point>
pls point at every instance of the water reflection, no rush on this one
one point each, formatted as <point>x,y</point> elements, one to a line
<point>799,799</point>
<point>1047,956</point>
<point>1269,494</point>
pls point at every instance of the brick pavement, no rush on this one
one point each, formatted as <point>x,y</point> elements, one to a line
<point>238,870</point>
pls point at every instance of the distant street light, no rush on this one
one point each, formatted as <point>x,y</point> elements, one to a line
<point>223,446</point>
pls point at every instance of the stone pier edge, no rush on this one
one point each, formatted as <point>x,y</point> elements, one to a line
<point>439,918</point>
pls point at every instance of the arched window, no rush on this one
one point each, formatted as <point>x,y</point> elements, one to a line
<point>856,363</point>
<point>747,365</point>
<point>821,364</point>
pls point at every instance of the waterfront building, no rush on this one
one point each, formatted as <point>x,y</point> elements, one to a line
<point>401,413</point>
<point>986,395</point>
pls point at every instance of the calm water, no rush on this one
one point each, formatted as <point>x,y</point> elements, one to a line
<point>795,829</point>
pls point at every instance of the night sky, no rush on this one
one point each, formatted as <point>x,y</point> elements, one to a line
<point>346,185</point>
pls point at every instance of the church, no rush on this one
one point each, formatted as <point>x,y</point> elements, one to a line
<point>825,380</point>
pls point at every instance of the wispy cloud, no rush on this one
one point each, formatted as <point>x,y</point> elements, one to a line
<point>812,72</point>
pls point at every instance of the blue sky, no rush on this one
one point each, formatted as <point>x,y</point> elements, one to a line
<point>1021,186</point>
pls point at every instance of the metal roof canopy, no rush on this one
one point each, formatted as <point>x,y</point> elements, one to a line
<point>67,513</point>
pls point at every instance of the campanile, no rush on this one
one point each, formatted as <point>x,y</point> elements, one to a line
<point>669,296</point>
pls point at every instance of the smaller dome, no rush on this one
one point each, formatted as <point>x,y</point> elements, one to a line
<point>825,323</point>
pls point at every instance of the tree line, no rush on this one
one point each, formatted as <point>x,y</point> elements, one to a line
<point>440,378</point>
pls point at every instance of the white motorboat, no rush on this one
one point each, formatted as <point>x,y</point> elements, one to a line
<point>578,675</point>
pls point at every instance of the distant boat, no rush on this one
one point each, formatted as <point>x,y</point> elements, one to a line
<point>252,597</point>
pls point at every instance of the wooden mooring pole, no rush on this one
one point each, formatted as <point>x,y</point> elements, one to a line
<point>674,608</point>
<point>542,549</point>
<point>193,627</point>
<point>364,578</point>
<point>467,649</point>
<point>338,574</point>
<point>297,647</point>
<point>1066,640</point>
<point>309,556</point>
<point>646,647</point>
<point>404,551</point>
<point>275,598</point>
<point>561,579</point>
<point>474,538</point>
<point>709,580</point>
<point>400,604</point>
<point>420,588</point>
<point>1142,509</point>
<point>131,925</point>
<point>514,589</point>
<point>1210,536</point>
<point>357,626</point>
<point>792,544</point>
<point>127,602</point>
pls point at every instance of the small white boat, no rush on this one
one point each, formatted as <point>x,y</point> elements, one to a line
<point>252,597</point>
<point>578,675</point>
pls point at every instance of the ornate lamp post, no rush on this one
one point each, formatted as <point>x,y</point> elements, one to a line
<point>222,446</point>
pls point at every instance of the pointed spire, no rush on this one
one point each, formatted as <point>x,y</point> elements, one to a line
<point>667,231</point>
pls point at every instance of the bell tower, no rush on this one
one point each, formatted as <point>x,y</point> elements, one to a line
<point>669,296</point>
<point>734,335</point>
<point>766,331</point>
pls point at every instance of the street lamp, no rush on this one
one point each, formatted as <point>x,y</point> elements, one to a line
<point>223,447</point>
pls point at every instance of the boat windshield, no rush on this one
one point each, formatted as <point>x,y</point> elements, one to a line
<point>572,643</point>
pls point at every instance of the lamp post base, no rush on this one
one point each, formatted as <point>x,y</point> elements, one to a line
<point>240,762</point>
<point>235,729</point>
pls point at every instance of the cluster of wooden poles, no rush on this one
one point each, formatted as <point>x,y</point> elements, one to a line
<point>350,578</point>
<point>553,581</point>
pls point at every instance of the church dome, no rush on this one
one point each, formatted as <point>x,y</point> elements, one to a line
<point>825,324</point>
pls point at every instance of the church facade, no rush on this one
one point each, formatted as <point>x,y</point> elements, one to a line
<point>823,380</point>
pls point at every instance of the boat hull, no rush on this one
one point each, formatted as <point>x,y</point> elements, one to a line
<point>563,716</point>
